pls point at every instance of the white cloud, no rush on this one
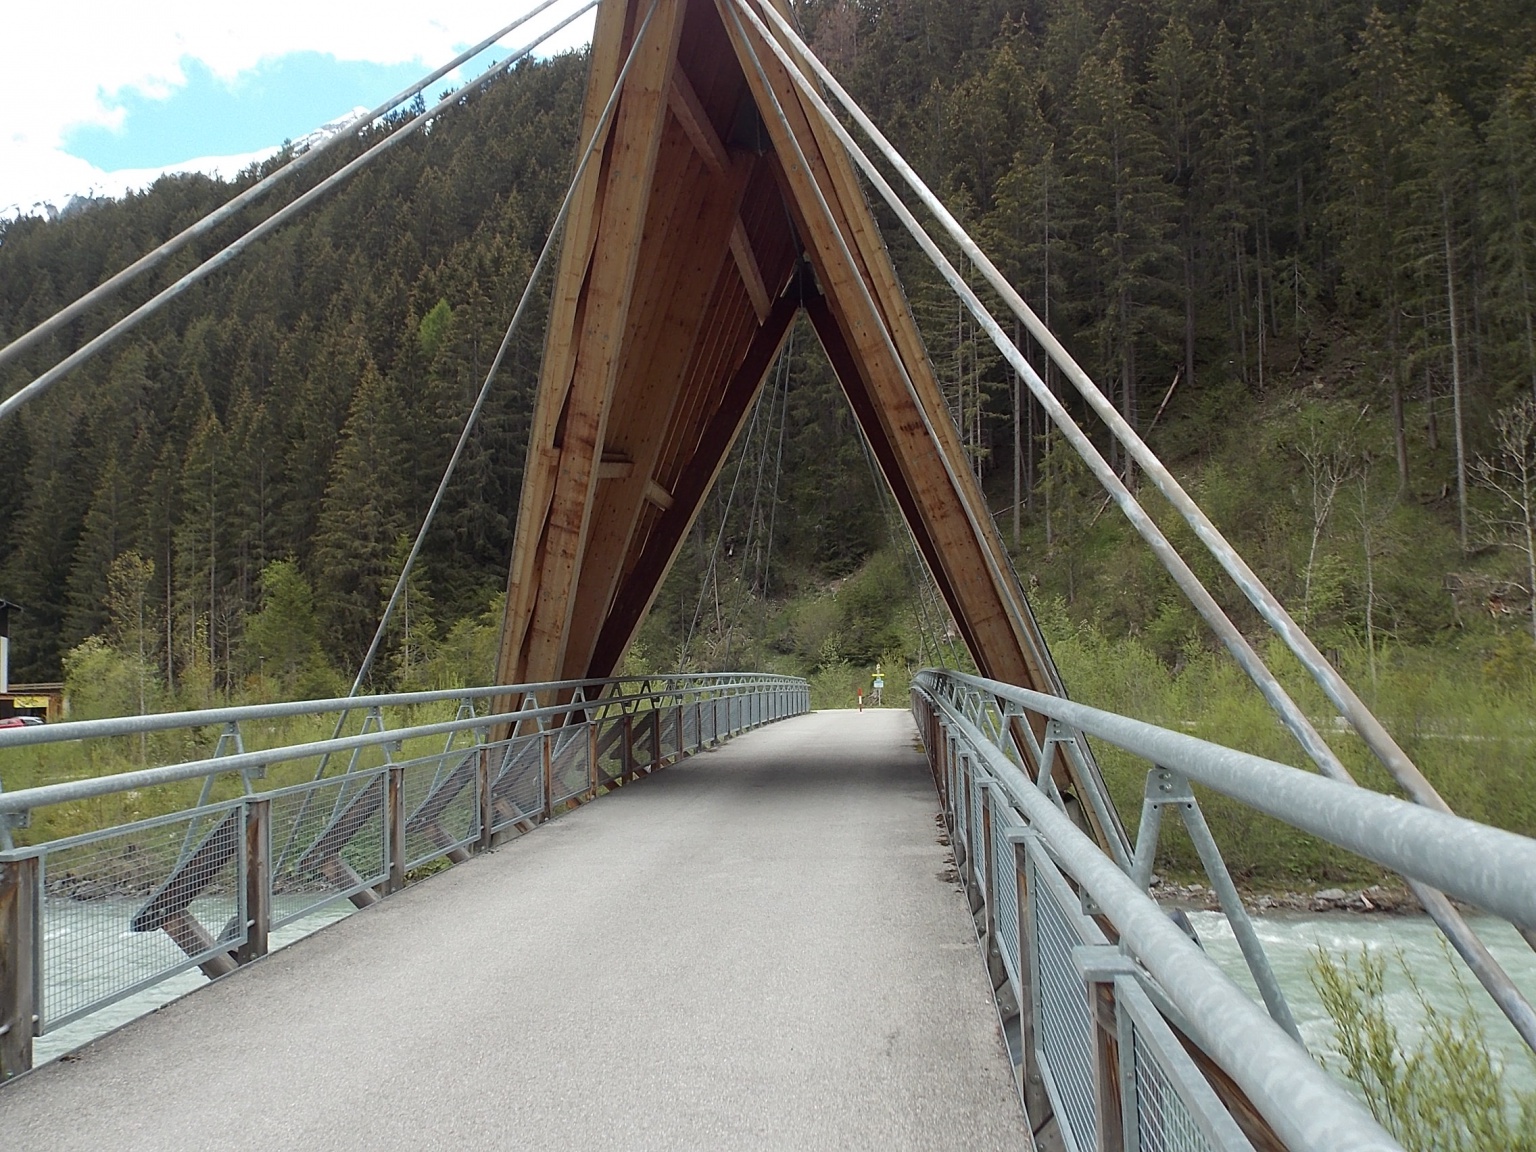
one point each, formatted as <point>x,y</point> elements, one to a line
<point>61,69</point>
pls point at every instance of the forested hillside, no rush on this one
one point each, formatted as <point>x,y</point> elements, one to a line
<point>1295,241</point>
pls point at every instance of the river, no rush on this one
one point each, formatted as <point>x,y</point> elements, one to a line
<point>1291,940</point>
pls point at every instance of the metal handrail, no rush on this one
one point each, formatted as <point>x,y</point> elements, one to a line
<point>201,718</point>
<point>1488,867</point>
<point>1295,1096</point>
<point>44,795</point>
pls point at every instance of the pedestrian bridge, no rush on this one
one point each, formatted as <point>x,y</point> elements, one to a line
<point>763,946</point>
<point>765,934</point>
<point>766,944</point>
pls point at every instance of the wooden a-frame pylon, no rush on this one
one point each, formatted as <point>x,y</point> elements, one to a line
<point>716,209</point>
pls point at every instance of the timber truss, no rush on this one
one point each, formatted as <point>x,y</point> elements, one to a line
<point>720,206</point>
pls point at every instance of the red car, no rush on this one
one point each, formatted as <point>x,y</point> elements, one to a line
<point>20,721</point>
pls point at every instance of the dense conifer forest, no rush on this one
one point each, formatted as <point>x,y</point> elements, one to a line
<point>1295,241</point>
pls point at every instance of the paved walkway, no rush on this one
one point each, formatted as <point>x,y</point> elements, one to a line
<point>754,949</point>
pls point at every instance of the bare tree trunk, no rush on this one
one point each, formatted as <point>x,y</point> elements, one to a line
<point>1456,398</point>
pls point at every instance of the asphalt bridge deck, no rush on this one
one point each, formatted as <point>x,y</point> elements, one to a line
<point>757,948</point>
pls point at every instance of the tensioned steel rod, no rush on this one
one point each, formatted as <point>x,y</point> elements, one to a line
<point>599,134</point>
<point>1290,713</point>
<point>270,224</point>
<point>1468,945</point>
<point>1301,1102</point>
<point>1097,796</point>
<point>1370,729</point>
<point>211,221</point>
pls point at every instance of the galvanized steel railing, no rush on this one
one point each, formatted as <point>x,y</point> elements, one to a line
<point>88,920</point>
<point>1123,1033</point>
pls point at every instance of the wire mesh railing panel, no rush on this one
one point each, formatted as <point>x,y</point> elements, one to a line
<point>670,736</point>
<point>570,764</point>
<point>610,749</point>
<point>441,797</point>
<point>126,908</point>
<point>720,729</point>
<point>643,739</point>
<point>517,794</point>
<point>1171,1107</point>
<point>691,741</point>
<point>736,715</point>
<point>957,790</point>
<point>1006,888</point>
<point>329,840</point>
<point>978,858</point>
<point>1063,1029</point>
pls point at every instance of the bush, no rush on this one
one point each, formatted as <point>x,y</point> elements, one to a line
<point>1447,1093</point>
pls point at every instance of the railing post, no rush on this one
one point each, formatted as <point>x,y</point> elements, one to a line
<point>682,732</point>
<point>258,880</point>
<point>18,964</point>
<point>487,801</point>
<point>655,738</point>
<point>547,754</point>
<point>627,764</point>
<point>987,869</point>
<point>591,758</point>
<point>1037,1104</point>
<point>395,817</point>
<point>1099,965</point>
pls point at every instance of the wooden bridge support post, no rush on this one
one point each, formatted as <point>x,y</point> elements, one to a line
<point>394,816</point>
<point>656,757</point>
<point>18,958</point>
<point>258,880</point>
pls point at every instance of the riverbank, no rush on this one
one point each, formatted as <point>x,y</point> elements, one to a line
<point>1392,899</point>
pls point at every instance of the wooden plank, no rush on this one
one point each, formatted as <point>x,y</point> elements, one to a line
<point>684,103</point>
<point>751,275</point>
<point>195,940</point>
<point>634,146</point>
<point>258,880</point>
<point>18,983</point>
<point>609,42</point>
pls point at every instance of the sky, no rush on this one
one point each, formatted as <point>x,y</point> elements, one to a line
<point>100,97</point>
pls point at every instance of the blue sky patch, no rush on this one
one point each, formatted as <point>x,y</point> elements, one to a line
<point>280,100</point>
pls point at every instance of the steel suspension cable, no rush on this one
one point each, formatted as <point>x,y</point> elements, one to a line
<point>293,167</point>
<point>598,135</point>
<point>267,226</point>
<point>1338,691</point>
<point>1017,611</point>
<point>1482,963</point>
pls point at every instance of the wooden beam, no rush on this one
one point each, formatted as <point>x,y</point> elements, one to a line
<point>636,594</point>
<point>657,495</point>
<point>684,103</point>
<point>609,38</point>
<point>634,144</point>
<point>751,274</point>
<point>680,284</point>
